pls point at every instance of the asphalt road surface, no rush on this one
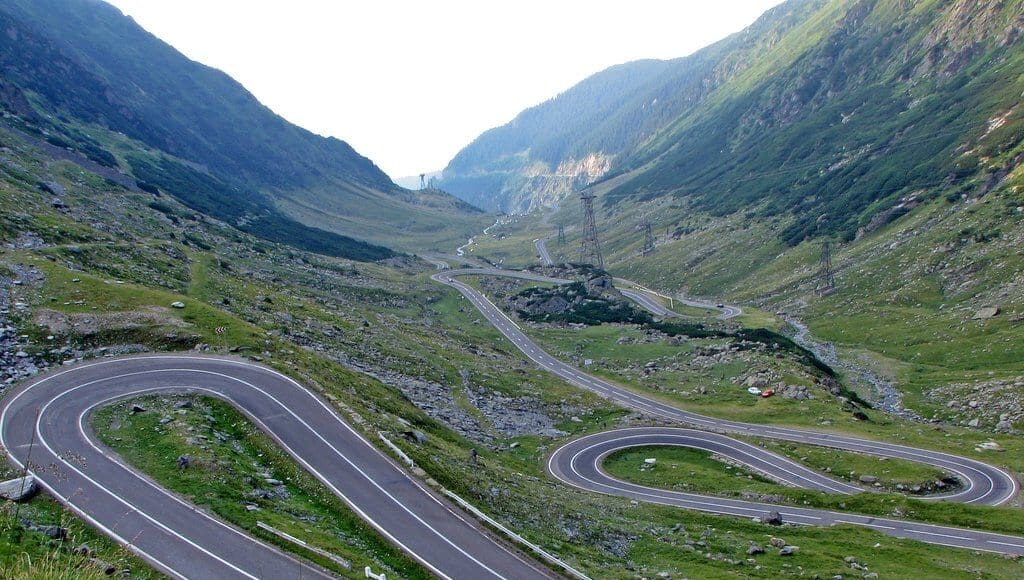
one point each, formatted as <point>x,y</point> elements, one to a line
<point>542,251</point>
<point>51,413</point>
<point>578,462</point>
<point>643,297</point>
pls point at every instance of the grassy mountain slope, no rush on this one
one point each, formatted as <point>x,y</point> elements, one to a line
<point>865,103</point>
<point>75,68</point>
<point>895,130</point>
<point>489,171</point>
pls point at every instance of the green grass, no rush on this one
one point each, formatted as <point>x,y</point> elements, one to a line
<point>849,466</point>
<point>230,459</point>
<point>601,342</point>
<point>29,554</point>
<point>686,469</point>
<point>696,470</point>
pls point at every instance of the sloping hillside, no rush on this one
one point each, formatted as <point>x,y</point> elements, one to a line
<point>81,74</point>
<point>864,104</point>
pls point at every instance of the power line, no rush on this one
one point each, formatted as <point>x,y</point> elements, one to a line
<point>646,227</point>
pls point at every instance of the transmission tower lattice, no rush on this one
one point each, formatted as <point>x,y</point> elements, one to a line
<point>827,276</point>
<point>648,230</point>
<point>590,247</point>
<point>561,234</point>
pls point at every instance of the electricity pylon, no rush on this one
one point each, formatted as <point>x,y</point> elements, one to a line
<point>590,247</point>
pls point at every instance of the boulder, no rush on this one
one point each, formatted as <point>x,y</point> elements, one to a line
<point>772,518</point>
<point>788,550</point>
<point>52,187</point>
<point>53,532</point>
<point>415,436</point>
<point>107,568</point>
<point>986,313</point>
<point>756,381</point>
<point>19,489</point>
<point>868,479</point>
<point>177,304</point>
<point>777,542</point>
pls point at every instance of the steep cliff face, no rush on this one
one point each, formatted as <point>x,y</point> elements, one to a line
<point>538,186</point>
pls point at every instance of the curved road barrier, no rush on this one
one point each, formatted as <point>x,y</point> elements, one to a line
<point>51,414</point>
<point>578,462</point>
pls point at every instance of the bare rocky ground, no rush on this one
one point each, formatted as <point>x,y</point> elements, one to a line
<point>15,361</point>
<point>21,357</point>
<point>486,415</point>
<point>996,405</point>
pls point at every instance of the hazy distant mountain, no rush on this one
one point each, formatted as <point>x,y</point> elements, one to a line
<point>829,112</point>
<point>73,68</point>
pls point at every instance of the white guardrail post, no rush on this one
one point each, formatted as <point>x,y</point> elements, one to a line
<point>370,574</point>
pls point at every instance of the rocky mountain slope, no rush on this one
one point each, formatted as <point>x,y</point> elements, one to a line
<point>82,76</point>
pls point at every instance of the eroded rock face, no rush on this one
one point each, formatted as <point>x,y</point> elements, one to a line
<point>499,415</point>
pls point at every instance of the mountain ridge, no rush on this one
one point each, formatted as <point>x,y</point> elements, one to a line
<point>80,74</point>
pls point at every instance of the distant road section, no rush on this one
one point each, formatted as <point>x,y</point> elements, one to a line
<point>643,298</point>
<point>542,251</point>
<point>52,414</point>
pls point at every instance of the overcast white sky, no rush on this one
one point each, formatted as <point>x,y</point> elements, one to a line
<point>409,83</point>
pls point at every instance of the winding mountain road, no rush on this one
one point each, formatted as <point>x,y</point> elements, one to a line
<point>50,416</point>
<point>578,462</point>
<point>45,423</point>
